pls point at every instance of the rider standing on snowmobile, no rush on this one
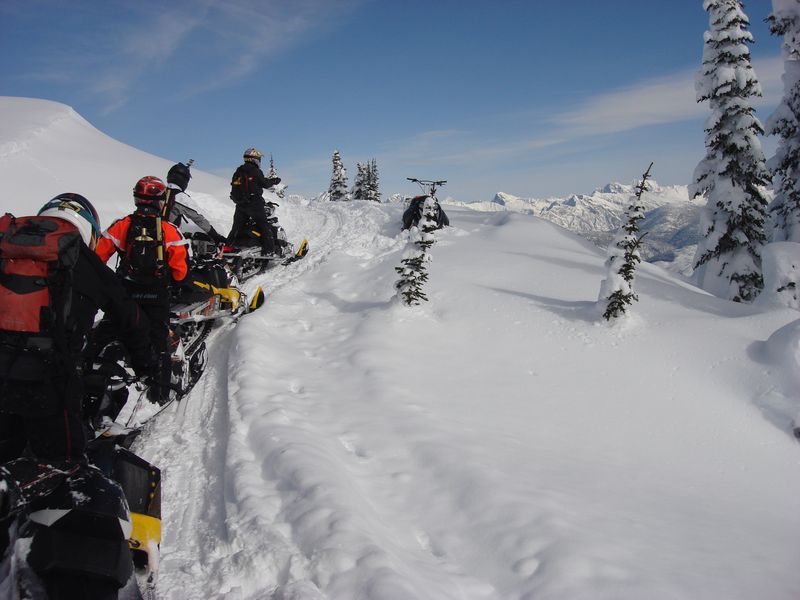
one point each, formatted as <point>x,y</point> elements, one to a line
<point>175,209</point>
<point>247,192</point>
<point>152,255</point>
<point>52,286</point>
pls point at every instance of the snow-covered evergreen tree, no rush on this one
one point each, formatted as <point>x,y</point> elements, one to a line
<point>733,174</point>
<point>361,183</point>
<point>280,189</point>
<point>413,272</point>
<point>781,265</point>
<point>785,123</point>
<point>373,192</point>
<point>616,291</point>
<point>337,191</point>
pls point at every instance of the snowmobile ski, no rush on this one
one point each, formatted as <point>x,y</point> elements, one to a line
<point>302,250</point>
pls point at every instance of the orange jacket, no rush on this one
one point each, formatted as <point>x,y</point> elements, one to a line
<point>114,237</point>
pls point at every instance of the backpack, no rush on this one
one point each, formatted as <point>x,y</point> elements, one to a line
<point>143,260</point>
<point>241,185</point>
<point>37,258</point>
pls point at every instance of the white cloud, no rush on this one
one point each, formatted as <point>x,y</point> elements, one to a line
<point>656,102</point>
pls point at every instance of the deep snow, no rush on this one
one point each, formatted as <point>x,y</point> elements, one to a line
<point>497,442</point>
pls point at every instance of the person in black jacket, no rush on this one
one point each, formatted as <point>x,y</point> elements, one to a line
<point>41,386</point>
<point>176,210</point>
<point>247,191</point>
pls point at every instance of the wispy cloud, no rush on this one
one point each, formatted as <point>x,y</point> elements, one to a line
<point>656,102</point>
<point>235,38</point>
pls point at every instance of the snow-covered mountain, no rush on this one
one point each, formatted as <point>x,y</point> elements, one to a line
<point>671,218</point>
<point>47,148</point>
<point>497,443</point>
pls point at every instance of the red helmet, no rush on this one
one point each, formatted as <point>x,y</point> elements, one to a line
<point>150,191</point>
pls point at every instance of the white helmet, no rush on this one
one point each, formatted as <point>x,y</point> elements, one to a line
<point>77,210</point>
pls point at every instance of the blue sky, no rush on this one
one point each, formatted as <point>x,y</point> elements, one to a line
<point>533,98</point>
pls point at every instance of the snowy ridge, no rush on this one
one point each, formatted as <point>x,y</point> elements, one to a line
<point>498,442</point>
<point>671,218</point>
<point>48,149</point>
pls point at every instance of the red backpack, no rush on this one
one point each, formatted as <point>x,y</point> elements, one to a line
<point>37,256</point>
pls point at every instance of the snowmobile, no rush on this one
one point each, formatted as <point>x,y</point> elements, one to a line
<point>413,213</point>
<point>245,255</point>
<point>209,293</point>
<point>80,530</point>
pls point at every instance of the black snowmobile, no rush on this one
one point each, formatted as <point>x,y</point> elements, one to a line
<point>69,529</point>
<point>86,531</point>
<point>413,213</point>
<point>245,255</point>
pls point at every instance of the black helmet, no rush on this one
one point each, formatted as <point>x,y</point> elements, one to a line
<point>180,175</point>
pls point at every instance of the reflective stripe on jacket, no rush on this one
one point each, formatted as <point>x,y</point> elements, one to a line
<point>114,237</point>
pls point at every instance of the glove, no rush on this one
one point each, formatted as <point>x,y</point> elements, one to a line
<point>272,181</point>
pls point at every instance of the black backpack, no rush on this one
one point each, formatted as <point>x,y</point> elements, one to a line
<point>37,259</point>
<point>144,258</point>
<point>241,186</point>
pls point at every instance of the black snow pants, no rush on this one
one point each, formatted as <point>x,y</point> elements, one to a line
<point>256,210</point>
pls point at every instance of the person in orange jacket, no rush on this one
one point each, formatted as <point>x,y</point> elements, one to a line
<point>152,254</point>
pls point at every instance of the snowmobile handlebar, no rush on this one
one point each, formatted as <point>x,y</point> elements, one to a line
<point>428,185</point>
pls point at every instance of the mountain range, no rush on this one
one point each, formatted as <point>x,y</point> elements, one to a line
<point>671,218</point>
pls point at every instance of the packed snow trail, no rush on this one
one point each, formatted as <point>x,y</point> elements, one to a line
<point>235,522</point>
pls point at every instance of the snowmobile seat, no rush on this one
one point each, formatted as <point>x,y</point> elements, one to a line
<point>202,244</point>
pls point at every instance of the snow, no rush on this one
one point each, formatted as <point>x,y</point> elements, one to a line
<point>497,442</point>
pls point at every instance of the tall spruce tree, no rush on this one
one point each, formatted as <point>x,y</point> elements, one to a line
<point>337,191</point>
<point>733,174</point>
<point>413,270</point>
<point>361,183</point>
<point>373,192</point>
<point>616,291</point>
<point>785,123</point>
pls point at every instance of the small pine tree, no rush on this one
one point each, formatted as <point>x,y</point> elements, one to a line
<point>413,272</point>
<point>280,189</point>
<point>359,191</point>
<point>785,123</point>
<point>337,191</point>
<point>616,291</point>
<point>733,174</point>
